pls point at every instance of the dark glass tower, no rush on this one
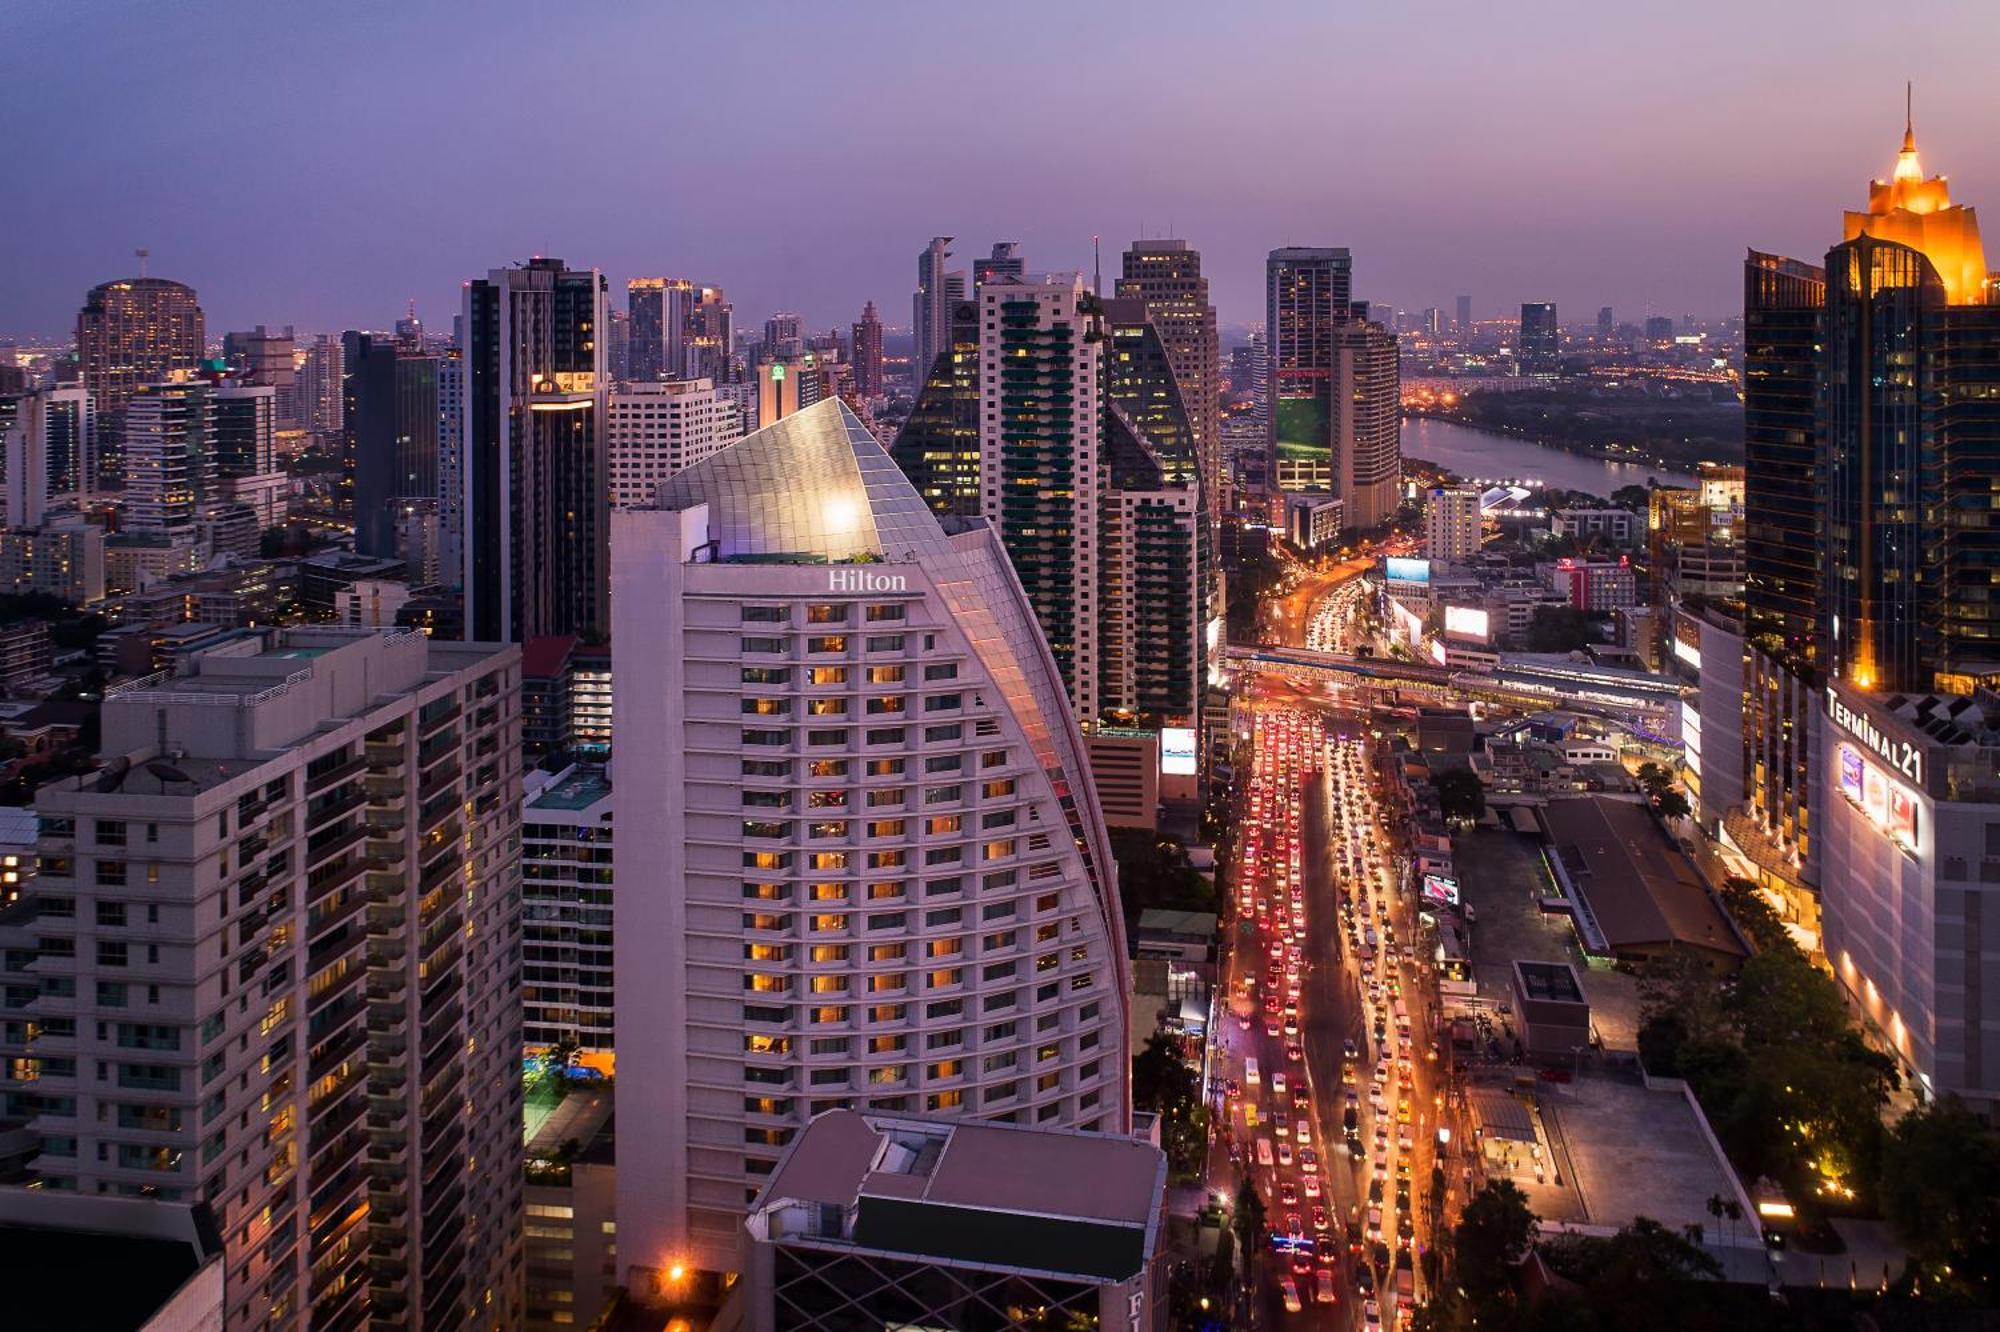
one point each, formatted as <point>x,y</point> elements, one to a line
<point>938,447</point>
<point>1782,302</point>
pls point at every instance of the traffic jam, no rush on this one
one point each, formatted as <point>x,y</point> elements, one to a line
<point>1339,1211</point>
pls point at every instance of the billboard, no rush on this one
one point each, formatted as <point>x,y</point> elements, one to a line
<point>1440,888</point>
<point>1467,622</point>
<point>1402,569</point>
<point>1886,802</point>
<point>1177,755</point>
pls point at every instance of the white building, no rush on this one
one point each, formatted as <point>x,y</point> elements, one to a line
<point>566,885</point>
<point>1619,526</point>
<point>271,963</point>
<point>861,860</point>
<point>659,427</point>
<point>1906,810</point>
<point>1451,523</point>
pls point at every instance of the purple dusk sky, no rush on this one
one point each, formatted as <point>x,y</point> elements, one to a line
<point>322,164</point>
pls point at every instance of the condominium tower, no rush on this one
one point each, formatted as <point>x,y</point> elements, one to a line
<point>271,964</point>
<point>1166,275</point>
<point>879,879</point>
<point>659,427</point>
<point>135,331</point>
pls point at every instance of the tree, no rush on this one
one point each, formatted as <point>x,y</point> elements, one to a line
<point>1636,498</point>
<point>1641,1278</point>
<point>1248,1223</point>
<point>1940,1190</point>
<point>1460,794</point>
<point>1493,1234</point>
<point>1163,1082</point>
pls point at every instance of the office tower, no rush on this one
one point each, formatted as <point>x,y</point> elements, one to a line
<point>345,1093</point>
<point>1607,324</point>
<point>619,358</point>
<point>49,436</point>
<point>867,336</point>
<point>319,386</point>
<point>1260,371</point>
<point>265,359</point>
<point>141,330</point>
<point>1451,523</point>
<point>708,349</point>
<point>169,467</point>
<point>242,433</point>
<point>451,468</point>
<point>534,456</point>
<point>1782,300</point>
<point>658,428</point>
<point>938,446</point>
<point>1167,276</point>
<point>784,336</point>
<point>1365,425</point>
<point>930,319</point>
<point>391,416</point>
<point>1428,321</point>
<point>1464,324</point>
<point>566,887</point>
<point>1540,349</point>
<point>1155,562</point>
<point>658,311</point>
<point>893,888</point>
<point>1307,295</point>
<point>1659,329</point>
<point>1006,261</point>
<point>1040,439</point>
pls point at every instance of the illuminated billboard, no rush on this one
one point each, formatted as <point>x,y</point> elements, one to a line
<point>1887,803</point>
<point>1177,756</point>
<point>1467,622</point>
<point>1440,888</point>
<point>1402,569</point>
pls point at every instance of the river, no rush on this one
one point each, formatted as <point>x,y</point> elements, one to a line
<point>1483,456</point>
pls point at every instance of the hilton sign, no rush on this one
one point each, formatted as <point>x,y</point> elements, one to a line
<point>1901,755</point>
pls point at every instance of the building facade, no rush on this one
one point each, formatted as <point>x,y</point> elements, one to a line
<point>280,923</point>
<point>658,428</point>
<point>135,331</point>
<point>842,737</point>
<point>1166,276</point>
<point>1451,523</point>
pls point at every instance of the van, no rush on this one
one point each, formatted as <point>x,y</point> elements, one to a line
<point>1402,1015</point>
<point>1251,1075</point>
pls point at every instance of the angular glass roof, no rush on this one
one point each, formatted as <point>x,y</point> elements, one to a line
<point>814,486</point>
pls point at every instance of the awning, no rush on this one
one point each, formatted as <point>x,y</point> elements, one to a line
<point>1499,1114</point>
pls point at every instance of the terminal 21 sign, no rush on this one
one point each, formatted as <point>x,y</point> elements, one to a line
<point>1900,755</point>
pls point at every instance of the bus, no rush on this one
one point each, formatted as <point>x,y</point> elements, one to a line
<point>1251,1074</point>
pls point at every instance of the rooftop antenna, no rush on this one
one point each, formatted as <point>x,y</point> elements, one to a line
<point>143,256</point>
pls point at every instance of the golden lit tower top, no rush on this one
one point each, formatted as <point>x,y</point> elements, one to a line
<point>1919,213</point>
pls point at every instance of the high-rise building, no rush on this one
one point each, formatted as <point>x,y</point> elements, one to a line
<point>263,358</point>
<point>50,437</point>
<point>658,314</point>
<point>243,420</point>
<point>319,386</point>
<point>1040,441</point>
<point>894,890</point>
<point>1694,537</point>
<point>1540,340</point>
<point>536,484</point>
<point>930,318</point>
<point>784,336</point>
<point>1006,261</point>
<point>169,466</point>
<point>867,335</point>
<point>566,887</point>
<point>1167,276</point>
<point>1451,523</point>
<point>1463,324</point>
<point>1367,422</point>
<point>938,446</point>
<point>708,348</point>
<point>135,331</point>
<point>451,468</point>
<point>1607,323</point>
<point>345,1093</point>
<point>390,418</point>
<point>1308,294</point>
<point>657,428</point>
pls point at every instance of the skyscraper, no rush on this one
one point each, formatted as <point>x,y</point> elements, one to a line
<point>135,331</point>
<point>930,308</point>
<point>1308,293</point>
<point>938,446</point>
<point>660,428</point>
<point>867,336</point>
<point>784,335</point>
<point>1367,422</point>
<point>1464,321</point>
<point>1006,261</point>
<point>319,386</point>
<point>451,470</point>
<point>656,316</point>
<point>264,358</point>
<point>1166,275</point>
<point>1607,323</point>
<point>1540,350</point>
<point>50,437</point>
<point>391,418</point>
<point>535,480</point>
<point>169,465</point>
<point>893,886</point>
<point>344,1094</point>
<point>1040,440</point>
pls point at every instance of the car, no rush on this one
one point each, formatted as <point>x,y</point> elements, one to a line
<point>1295,1226</point>
<point>1301,1099</point>
<point>1285,1154</point>
<point>1302,1130</point>
<point>1290,1291</point>
<point>1406,1233</point>
<point>1371,1312</point>
<point>1312,1186</point>
<point>1295,1052</point>
<point>1323,1286</point>
<point>1308,1160</point>
<point>1363,1277</point>
<point>1347,1073</point>
<point>1271,1027</point>
<point>1277,1084</point>
<point>1288,1194</point>
<point>1403,1137</point>
<point>1320,1221</point>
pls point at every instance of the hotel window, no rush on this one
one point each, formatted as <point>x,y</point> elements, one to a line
<point>826,800</point>
<point>993,758</point>
<point>947,670</point>
<point>945,1068</point>
<point>766,615</point>
<point>938,948</point>
<point>827,768</point>
<point>828,924</point>
<point>1003,939</point>
<point>884,613</point>
<point>827,952</point>
<point>888,983</point>
<point>827,614</point>
<point>827,738</point>
<point>827,675</point>
<point>757,1043</point>
<point>887,859</point>
<point>763,984</point>
<point>827,643</point>
<point>836,828</point>
<point>888,952</point>
<point>1001,849</point>
<point>764,645</point>
<point>940,734</point>
<point>885,643</point>
<point>829,984</point>
<point>884,767</point>
<point>888,828</point>
<point>888,1045</point>
<point>883,1014</point>
<point>886,889</point>
<point>826,707</point>
<point>767,768</point>
<point>827,860</point>
<point>767,737</point>
<point>767,675</point>
<point>887,735</point>
<point>997,789</point>
<point>763,952</point>
<point>945,763</point>
<point>945,978</point>
<point>890,797</point>
<point>887,920</point>
<point>944,795</point>
<point>767,859</point>
<point>828,892</point>
<point>884,675</point>
<point>889,706</point>
<point>940,824</point>
<point>768,892</point>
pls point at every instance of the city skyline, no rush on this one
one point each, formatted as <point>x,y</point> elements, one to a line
<point>1602,190</point>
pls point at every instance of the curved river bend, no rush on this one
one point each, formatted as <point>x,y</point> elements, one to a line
<point>1484,456</point>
